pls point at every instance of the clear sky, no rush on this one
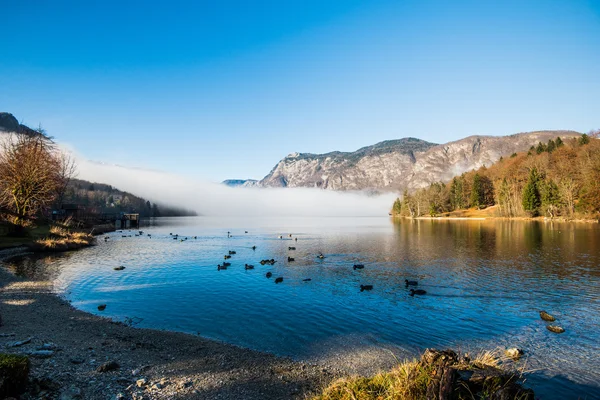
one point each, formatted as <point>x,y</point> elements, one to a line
<point>224,89</point>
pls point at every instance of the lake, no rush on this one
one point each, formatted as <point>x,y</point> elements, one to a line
<point>486,282</point>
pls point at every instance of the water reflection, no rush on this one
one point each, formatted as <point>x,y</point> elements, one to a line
<point>485,283</point>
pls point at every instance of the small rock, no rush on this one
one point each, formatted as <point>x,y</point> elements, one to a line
<point>72,393</point>
<point>157,386</point>
<point>140,370</point>
<point>102,307</point>
<point>141,382</point>
<point>555,329</point>
<point>20,343</point>
<point>108,366</point>
<point>546,317</point>
<point>41,353</point>
<point>48,346</point>
<point>513,353</point>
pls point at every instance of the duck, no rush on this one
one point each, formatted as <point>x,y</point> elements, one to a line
<point>366,287</point>
<point>306,280</point>
<point>220,267</point>
<point>278,280</point>
<point>227,257</point>
<point>253,247</point>
<point>418,292</point>
<point>410,283</point>
<point>245,231</point>
<point>291,248</point>
<point>226,264</point>
<point>547,317</point>
<point>290,259</point>
<point>269,274</point>
<point>358,266</point>
<point>119,268</point>
<point>102,307</point>
<point>321,256</point>
<point>248,266</point>
<point>232,252</point>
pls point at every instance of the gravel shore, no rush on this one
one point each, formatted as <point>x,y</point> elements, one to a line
<point>69,349</point>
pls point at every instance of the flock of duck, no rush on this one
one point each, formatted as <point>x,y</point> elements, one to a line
<point>321,256</point>
<point>223,266</point>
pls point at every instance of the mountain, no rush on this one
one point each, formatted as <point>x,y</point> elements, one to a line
<point>8,123</point>
<point>101,198</point>
<point>240,182</point>
<point>396,165</point>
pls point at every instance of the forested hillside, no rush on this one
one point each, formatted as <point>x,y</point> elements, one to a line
<point>554,179</point>
<point>102,198</point>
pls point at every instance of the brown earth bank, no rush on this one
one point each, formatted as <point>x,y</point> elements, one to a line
<point>76,355</point>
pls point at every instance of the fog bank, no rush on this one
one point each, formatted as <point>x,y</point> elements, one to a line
<point>215,199</point>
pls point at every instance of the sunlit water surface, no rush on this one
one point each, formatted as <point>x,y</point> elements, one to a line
<point>486,281</point>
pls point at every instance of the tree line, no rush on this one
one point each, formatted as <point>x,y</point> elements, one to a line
<point>554,179</point>
<point>36,178</point>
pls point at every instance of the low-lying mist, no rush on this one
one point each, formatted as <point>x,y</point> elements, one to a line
<point>213,199</point>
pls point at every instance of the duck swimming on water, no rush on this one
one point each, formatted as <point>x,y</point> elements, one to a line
<point>278,280</point>
<point>410,283</point>
<point>358,266</point>
<point>269,274</point>
<point>418,292</point>
<point>366,287</point>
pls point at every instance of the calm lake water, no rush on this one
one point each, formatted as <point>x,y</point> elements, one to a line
<point>486,281</point>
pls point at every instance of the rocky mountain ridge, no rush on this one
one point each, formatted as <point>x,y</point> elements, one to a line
<point>397,165</point>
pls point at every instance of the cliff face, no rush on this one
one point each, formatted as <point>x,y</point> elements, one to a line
<point>399,164</point>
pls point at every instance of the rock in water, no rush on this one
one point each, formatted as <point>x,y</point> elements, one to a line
<point>555,329</point>
<point>102,307</point>
<point>547,317</point>
<point>514,353</point>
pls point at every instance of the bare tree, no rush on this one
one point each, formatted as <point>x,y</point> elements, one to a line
<point>32,174</point>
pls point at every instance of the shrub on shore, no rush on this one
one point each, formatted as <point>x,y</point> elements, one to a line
<point>14,373</point>
<point>438,374</point>
<point>63,239</point>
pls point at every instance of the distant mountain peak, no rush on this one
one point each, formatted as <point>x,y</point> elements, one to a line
<point>396,165</point>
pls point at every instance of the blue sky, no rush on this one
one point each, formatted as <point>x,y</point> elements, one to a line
<point>225,89</point>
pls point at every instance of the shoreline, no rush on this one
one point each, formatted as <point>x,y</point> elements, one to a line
<point>491,218</point>
<point>173,364</point>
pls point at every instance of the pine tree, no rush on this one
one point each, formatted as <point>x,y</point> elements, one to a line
<point>551,146</point>
<point>559,142</point>
<point>531,194</point>
<point>540,148</point>
<point>584,139</point>
<point>477,192</point>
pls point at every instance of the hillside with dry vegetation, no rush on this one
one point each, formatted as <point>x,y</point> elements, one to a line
<point>556,179</point>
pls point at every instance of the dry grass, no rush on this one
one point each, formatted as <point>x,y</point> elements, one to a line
<point>62,239</point>
<point>407,381</point>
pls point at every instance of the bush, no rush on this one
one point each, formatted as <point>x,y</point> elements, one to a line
<point>14,372</point>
